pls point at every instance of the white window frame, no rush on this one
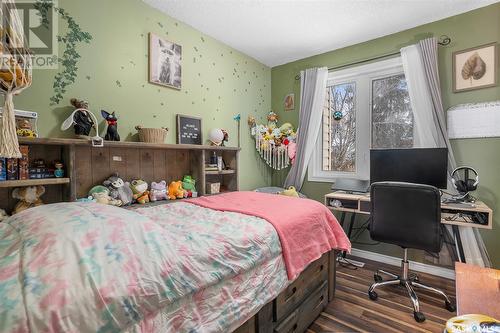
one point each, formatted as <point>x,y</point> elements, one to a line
<point>363,77</point>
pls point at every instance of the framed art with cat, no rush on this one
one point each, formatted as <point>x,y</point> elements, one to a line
<point>165,58</point>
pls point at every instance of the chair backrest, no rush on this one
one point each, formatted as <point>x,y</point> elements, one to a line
<point>408,215</point>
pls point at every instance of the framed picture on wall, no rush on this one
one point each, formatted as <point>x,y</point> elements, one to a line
<point>289,102</point>
<point>475,68</point>
<point>189,130</point>
<point>165,58</point>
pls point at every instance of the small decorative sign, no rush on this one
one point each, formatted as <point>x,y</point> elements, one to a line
<point>189,130</point>
<point>289,102</point>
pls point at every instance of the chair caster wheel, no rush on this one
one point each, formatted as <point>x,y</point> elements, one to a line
<point>377,278</point>
<point>419,317</point>
<point>450,306</point>
<point>373,295</point>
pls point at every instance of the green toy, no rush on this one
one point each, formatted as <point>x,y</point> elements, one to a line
<point>189,185</point>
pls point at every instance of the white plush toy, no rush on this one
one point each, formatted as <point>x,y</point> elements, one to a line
<point>3,215</point>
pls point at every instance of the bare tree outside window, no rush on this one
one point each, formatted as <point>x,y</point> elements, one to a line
<point>392,117</point>
<point>342,149</point>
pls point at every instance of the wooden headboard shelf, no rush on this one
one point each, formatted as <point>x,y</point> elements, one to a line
<point>87,166</point>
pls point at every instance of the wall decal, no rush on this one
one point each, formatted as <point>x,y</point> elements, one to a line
<point>73,37</point>
<point>164,62</point>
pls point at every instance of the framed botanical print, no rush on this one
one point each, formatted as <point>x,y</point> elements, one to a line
<point>475,68</point>
<point>165,67</point>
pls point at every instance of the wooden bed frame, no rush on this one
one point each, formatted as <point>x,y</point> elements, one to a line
<point>296,307</point>
<point>293,310</point>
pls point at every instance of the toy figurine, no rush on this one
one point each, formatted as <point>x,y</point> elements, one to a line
<point>140,189</point>
<point>112,120</point>
<point>28,197</point>
<point>175,190</point>
<point>188,183</point>
<point>119,190</point>
<point>158,191</point>
<point>59,171</point>
<point>25,129</point>
<point>82,121</point>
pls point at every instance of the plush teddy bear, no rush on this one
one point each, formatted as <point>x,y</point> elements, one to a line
<point>175,190</point>
<point>158,191</point>
<point>101,195</point>
<point>28,197</point>
<point>3,215</point>
<point>140,189</point>
<point>119,190</point>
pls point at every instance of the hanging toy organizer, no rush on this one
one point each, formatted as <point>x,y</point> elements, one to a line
<point>276,145</point>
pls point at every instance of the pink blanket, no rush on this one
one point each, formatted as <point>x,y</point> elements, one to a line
<point>306,228</point>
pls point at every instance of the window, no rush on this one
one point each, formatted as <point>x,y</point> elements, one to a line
<point>365,107</point>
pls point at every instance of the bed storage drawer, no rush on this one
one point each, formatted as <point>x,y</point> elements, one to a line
<point>301,288</point>
<point>300,319</point>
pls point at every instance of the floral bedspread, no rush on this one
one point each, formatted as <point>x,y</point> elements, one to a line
<point>82,267</point>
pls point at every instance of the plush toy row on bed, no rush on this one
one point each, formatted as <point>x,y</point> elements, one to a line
<point>114,191</point>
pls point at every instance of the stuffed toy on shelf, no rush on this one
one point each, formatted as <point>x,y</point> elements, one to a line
<point>101,195</point>
<point>119,190</point>
<point>140,189</point>
<point>28,197</point>
<point>112,121</point>
<point>175,190</point>
<point>158,191</point>
<point>3,215</point>
<point>189,185</point>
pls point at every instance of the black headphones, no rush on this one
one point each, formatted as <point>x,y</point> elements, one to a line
<point>464,185</point>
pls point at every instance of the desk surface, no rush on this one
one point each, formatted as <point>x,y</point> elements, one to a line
<point>478,290</point>
<point>479,207</point>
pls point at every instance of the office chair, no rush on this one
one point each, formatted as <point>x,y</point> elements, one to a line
<point>408,215</point>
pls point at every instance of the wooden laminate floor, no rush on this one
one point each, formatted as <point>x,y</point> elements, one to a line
<point>352,310</point>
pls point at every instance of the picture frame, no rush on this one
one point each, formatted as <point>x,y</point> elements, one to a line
<point>475,68</point>
<point>165,62</point>
<point>189,130</point>
<point>289,102</point>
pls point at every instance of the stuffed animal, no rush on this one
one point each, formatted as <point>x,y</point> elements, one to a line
<point>140,189</point>
<point>175,190</point>
<point>119,190</point>
<point>3,215</point>
<point>158,191</point>
<point>290,192</point>
<point>188,184</point>
<point>112,120</point>
<point>101,195</point>
<point>28,197</point>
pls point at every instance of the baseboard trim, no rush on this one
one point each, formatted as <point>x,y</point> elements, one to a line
<point>414,265</point>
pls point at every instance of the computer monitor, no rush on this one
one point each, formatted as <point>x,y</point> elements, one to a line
<point>415,165</point>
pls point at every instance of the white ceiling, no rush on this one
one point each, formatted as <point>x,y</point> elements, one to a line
<point>276,32</point>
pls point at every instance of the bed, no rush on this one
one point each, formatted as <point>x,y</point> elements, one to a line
<point>177,267</point>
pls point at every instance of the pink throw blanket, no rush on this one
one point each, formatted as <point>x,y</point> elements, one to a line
<point>306,228</point>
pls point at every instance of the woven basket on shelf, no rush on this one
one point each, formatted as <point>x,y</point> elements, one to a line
<point>152,135</point>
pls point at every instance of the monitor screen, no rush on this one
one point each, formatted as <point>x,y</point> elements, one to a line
<point>416,165</point>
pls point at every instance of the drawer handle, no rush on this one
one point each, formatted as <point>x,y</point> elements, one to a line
<point>294,327</point>
<point>321,268</point>
<point>320,301</point>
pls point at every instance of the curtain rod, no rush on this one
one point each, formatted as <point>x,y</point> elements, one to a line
<point>443,41</point>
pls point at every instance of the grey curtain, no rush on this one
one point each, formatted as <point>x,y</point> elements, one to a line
<point>312,98</point>
<point>433,121</point>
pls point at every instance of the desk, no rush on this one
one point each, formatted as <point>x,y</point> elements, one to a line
<point>451,214</point>
<point>477,290</point>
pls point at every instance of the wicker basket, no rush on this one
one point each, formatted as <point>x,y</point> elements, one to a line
<point>152,135</point>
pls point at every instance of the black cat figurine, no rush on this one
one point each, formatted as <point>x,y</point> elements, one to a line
<point>112,132</point>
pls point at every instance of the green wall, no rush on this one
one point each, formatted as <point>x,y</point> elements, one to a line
<point>218,81</point>
<point>466,30</point>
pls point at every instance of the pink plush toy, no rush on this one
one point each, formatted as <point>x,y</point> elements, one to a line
<point>292,151</point>
<point>158,191</point>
